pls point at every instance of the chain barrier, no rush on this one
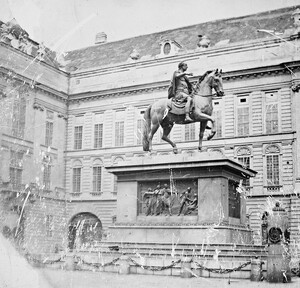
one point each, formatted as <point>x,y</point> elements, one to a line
<point>295,271</point>
<point>97,265</point>
<point>221,270</point>
<point>155,268</point>
<point>38,261</point>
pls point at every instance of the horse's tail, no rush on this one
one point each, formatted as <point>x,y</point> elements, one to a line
<point>146,129</point>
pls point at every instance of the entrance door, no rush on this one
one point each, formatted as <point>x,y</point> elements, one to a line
<point>85,230</point>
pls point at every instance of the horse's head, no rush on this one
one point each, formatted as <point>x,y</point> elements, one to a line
<point>216,82</point>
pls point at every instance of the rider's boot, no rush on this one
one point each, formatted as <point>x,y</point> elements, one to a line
<point>187,111</point>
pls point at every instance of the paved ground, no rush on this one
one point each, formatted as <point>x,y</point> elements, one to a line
<point>84,279</point>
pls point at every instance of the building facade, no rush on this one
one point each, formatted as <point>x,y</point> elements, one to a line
<point>62,125</point>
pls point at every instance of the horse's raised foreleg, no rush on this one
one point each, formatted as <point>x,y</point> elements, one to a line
<point>151,134</point>
<point>201,134</point>
<point>166,131</point>
<point>204,117</point>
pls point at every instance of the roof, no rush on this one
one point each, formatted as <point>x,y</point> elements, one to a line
<point>239,29</point>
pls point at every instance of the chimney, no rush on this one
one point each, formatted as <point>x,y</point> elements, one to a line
<point>101,38</point>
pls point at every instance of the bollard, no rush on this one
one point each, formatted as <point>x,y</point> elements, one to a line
<point>124,267</point>
<point>69,262</point>
<point>186,267</point>
<point>256,270</point>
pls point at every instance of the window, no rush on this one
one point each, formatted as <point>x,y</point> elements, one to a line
<point>49,133</point>
<point>167,48</point>
<point>78,138</point>
<point>271,112</point>
<point>46,176</point>
<point>49,225</point>
<point>18,117</point>
<point>139,133</point>
<point>77,180</point>
<point>98,136</point>
<point>272,170</point>
<point>243,120</point>
<point>273,164</point>
<point>119,133</point>
<point>16,169</point>
<point>243,155</point>
<point>97,172</point>
<point>245,161</point>
<point>217,113</point>
<point>189,132</point>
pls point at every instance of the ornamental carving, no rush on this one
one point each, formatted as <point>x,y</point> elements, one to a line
<point>272,149</point>
<point>156,199</point>
<point>243,151</point>
<point>38,107</point>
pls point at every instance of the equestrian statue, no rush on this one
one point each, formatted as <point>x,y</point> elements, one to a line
<point>186,104</point>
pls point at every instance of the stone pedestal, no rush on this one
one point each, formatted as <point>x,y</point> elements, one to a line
<point>278,260</point>
<point>218,218</point>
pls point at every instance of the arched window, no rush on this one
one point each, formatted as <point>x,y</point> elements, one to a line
<point>97,176</point>
<point>167,48</point>
<point>243,155</point>
<point>77,167</point>
<point>272,155</point>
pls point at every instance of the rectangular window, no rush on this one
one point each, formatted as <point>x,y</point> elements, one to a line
<point>139,132</point>
<point>18,117</point>
<point>189,132</point>
<point>272,170</point>
<point>76,180</point>
<point>119,133</point>
<point>16,169</point>
<point>245,161</point>
<point>78,138</point>
<point>272,118</point>
<point>98,135</point>
<point>49,133</point>
<point>97,179</point>
<point>47,176</point>
<point>49,225</point>
<point>243,121</point>
<point>218,118</point>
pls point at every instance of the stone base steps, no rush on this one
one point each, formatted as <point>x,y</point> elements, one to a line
<point>164,259</point>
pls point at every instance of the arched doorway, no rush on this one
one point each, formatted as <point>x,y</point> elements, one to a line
<point>85,230</point>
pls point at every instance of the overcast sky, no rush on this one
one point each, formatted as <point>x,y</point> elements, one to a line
<point>70,24</point>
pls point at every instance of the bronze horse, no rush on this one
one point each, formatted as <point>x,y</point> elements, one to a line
<point>157,114</point>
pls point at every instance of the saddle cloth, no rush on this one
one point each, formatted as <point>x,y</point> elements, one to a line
<point>176,107</point>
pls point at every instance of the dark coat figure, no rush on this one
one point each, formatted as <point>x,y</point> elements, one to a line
<point>184,199</point>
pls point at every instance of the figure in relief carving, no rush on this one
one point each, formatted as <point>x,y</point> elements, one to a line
<point>184,199</point>
<point>150,201</point>
<point>166,200</point>
<point>192,206</point>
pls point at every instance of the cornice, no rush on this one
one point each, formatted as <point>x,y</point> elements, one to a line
<point>33,85</point>
<point>229,76</point>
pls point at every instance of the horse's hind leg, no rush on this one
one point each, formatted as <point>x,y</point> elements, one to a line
<point>166,131</point>
<point>151,134</point>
